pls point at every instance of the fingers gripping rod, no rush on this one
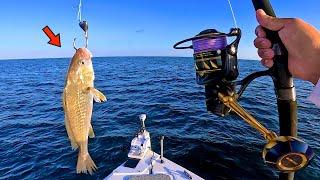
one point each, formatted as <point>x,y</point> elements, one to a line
<point>232,103</point>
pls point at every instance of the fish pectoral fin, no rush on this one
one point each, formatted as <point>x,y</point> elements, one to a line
<point>91,133</point>
<point>97,95</point>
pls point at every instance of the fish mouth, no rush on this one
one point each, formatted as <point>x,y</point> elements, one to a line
<point>84,54</point>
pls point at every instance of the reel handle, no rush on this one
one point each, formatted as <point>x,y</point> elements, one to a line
<point>231,102</point>
<point>286,153</point>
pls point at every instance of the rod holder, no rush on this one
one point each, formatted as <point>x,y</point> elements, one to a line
<point>161,148</point>
<point>143,118</point>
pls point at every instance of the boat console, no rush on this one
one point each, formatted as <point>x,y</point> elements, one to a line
<point>142,142</point>
<point>145,164</point>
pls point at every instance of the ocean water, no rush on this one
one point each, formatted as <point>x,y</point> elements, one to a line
<point>34,143</point>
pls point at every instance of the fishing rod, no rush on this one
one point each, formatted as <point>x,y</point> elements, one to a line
<point>216,65</point>
<point>283,82</point>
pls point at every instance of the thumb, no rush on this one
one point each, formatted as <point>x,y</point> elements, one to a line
<point>271,23</point>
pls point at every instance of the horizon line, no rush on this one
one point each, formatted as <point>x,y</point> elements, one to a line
<point>40,58</point>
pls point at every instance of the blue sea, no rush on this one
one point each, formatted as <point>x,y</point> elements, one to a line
<point>34,143</point>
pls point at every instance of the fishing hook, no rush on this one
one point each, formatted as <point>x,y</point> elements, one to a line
<point>74,44</point>
<point>83,25</point>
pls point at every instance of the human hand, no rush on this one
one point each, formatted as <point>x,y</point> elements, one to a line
<point>301,40</point>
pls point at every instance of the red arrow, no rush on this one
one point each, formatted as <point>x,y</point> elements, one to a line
<point>54,39</point>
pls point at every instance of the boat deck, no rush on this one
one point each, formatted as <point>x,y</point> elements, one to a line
<point>151,167</point>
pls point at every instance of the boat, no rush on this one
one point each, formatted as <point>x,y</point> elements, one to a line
<point>144,164</point>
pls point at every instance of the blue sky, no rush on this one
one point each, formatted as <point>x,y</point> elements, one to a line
<point>131,27</point>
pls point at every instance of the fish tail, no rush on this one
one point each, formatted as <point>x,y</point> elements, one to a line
<point>85,163</point>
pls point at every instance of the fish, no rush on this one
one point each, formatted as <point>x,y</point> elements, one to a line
<point>78,96</point>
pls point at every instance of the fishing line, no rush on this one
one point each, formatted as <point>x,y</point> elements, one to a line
<point>79,11</point>
<point>213,44</point>
<point>233,15</point>
<point>83,25</point>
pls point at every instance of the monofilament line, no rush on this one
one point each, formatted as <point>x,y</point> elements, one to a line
<point>234,17</point>
<point>79,11</point>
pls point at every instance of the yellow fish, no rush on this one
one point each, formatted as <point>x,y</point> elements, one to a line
<point>78,96</point>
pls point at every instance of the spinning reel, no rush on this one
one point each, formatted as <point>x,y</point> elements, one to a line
<point>216,64</point>
<point>216,67</point>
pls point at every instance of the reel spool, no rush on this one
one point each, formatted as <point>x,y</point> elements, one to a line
<point>216,64</point>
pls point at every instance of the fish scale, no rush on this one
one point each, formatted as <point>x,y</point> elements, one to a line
<point>81,119</point>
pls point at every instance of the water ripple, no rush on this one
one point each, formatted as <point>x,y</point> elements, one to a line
<point>34,144</point>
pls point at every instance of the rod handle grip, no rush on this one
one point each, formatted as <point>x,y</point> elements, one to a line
<point>281,74</point>
<point>266,6</point>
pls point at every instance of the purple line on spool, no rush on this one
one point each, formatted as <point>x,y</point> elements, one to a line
<point>208,44</point>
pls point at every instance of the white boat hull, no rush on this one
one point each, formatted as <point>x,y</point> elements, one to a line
<point>151,168</point>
